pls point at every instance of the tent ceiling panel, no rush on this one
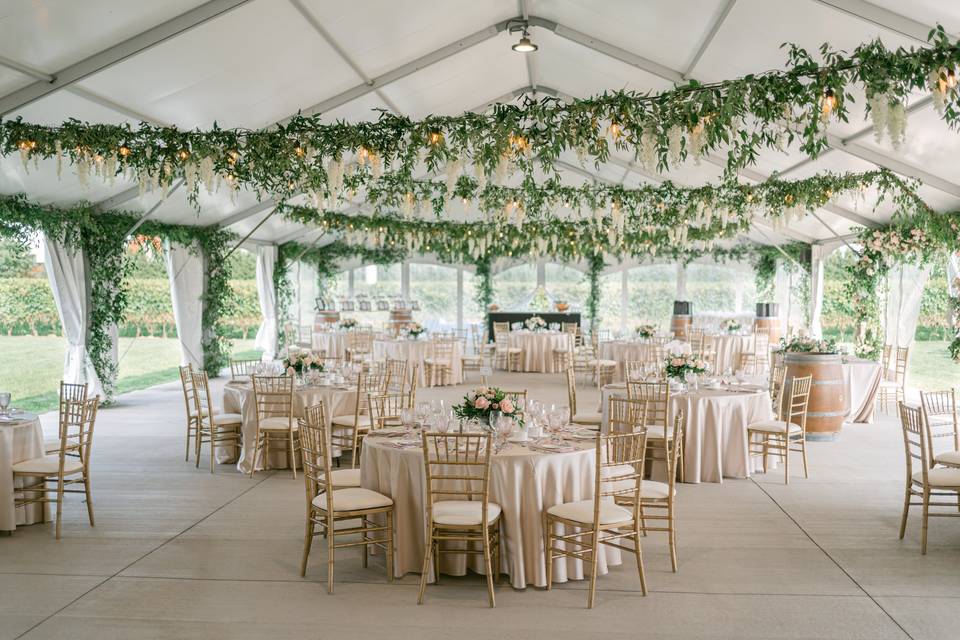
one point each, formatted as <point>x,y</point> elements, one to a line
<point>926,11</point>
<point>53,34</point>
<point>209,73</point>
<point>449,87</point>
<point>666,32</point>
<point>750,39</point>
<point>54,109</point>
<point>11,80</point>
<point>363,109</point>
<point>41,184</point>
<point>405,29</point>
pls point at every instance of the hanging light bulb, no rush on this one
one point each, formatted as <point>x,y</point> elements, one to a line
<point>435,137</point>
<point>615,130</point>
<point>951,79</point>
<point>124,151</point>
<point>828,102</point>
<point>183,154</point>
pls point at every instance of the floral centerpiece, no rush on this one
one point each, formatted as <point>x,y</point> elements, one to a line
<point>414,330</point>
<point>561,306</point>
<point>480,402</point>
<point>646,331</point>
<point>300,363</point>
<point>535,323</point>
<point>731,326</point>
<point>680,365</point>
<point>348,323</point>
<point>807,344</point>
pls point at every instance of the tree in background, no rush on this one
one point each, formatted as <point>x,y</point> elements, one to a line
<point>16,259</point>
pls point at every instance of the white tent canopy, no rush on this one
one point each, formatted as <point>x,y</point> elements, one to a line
<point>252,63</point>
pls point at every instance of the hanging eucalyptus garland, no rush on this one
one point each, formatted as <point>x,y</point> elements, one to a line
<point>596,265</point>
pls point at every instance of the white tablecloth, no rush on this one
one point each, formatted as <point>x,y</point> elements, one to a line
<point>538,346</point>
<point>334,343</point>
<point>523,482</point>
<point>624,351</point>
<point>715,442</point>
<point>238,398</point>
<point>415,352</point>
<point>728,348</point>
<point>862,380</point>
<point>19,440</point>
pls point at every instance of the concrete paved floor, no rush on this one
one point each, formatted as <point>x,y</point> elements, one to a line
<point>180,553</point>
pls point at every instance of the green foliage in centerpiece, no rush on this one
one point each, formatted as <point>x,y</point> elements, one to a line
<point>479,402</point>
<point>805,344</point>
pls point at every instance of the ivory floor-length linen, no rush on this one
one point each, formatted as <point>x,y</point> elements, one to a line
<point>715,441</point>
<point>20,439</point>
<point>538,346</point>
<point>332,343</point>
<point>523,482</point>
<point>238,398</point>
<point>186,274</point>
<point>624,351</point>
<point>861,381</point>
<point>728,348</point>
<point>415,352</point>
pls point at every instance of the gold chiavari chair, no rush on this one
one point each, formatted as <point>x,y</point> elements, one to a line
<point>273,399</point>
<point>500,327</point>
<point>69,392</point>
<point>217,429</point>
<point>761,348</point>
<point>339,478</point>
<point>778,377</point>
<point>347,430</point>
<point>785,433</point>
<point>242,369</point>
<point>458,503</point>
<point>472,359</point>
<point>635,369</point>
<point>440,363</point>
<point>940,420</point>
<point>189,401</point>
<point>625,415</point>
<point>385,410</point>
<point>885,360</point>
<point>619,470</point>
<point>926,482</point>
<point>563,355</point>
<point>327,504</point>
<point>659,419</point>
<point>585,418</point>
<point>396,371</point>
<point>305,337</point>
<point>696,337</point>
<point>747,363</point>
<point>895,387</point>
<point>359,345</point>
<point>414,382</point>
<point>69,467</point>
<point>506,357</point>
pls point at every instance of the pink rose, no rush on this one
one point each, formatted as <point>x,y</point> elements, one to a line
<point>480,403</point>
<point>506,406</point>
<point>676,362</point>
<point>290,371</point>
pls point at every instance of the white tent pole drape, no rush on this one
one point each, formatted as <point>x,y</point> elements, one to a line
<point>187,283</point>
<point>68,281</point>
<point>267,334</point>
<point>816,290</point>
<point>905,285</point>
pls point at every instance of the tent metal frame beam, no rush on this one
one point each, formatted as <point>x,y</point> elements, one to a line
<point>708,39</point>
<point>117,53</point>
<point>880,17</point>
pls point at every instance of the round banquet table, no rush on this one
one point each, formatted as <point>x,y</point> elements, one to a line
<point>728,348</point>
<point>21,438</point>
<point>523,482</point>
<point>862,381</point>
<point>238,398</point>
<point>333,343</point>
<point>414,352</point>
<point>538,346</point>
<point>624,351</point>
<point>715,440</point>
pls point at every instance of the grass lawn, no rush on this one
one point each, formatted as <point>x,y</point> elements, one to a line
<point>931,367</point>
<point>34,366</point>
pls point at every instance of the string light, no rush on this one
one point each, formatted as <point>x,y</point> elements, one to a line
<point>828,102</point>
<point>299,151</point>
<point>232,156</point>
<point>27,145</point>
<point>435,137</point>
<point>124,151</point>
<point>615,130</point>
<point>183,154</point>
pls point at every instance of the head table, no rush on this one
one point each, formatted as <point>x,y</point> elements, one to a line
<point>21,438</point>
<point>715,441</point>
<point>238,398</point>
<point>523,481</point>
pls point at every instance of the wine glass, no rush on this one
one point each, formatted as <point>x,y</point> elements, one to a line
<point>442,424</point>
<point>5,403</point>
<point>407,419</point>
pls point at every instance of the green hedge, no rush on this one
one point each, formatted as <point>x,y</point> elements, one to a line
<point>27,308</point>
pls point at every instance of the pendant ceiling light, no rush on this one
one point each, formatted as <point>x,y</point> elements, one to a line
<point>525,45</point>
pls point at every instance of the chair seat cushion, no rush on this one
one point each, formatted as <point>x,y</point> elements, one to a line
<point>471,359</point>
<point>601,363</point>
<point>48,465</point>
<point>587,418</point>
<point>229,418</point>
<point>939,477</point>
<point>582,511</point>
<point>345,478</point>
<point>773,426</point>
<point>949,458</point>
<point>510,350</point>
<point>436,362</point>
<point>652,490</point>
<point>349,420</point>
<point>463,512</point>
<point>276,423</point>
<point>353,499</point>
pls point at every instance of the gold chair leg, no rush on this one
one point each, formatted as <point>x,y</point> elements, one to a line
<point>923,527</point>
<point>256,450</point>
<point>639,554</point>
<point>548,550</point>
<point>488,565</point>
<point>427,561</point>
<point>331,538</point>
<point>59,505</point>
<point>307,543</point>
<point>595,546</point>
<point>390,546</point>
<point>86,489</point>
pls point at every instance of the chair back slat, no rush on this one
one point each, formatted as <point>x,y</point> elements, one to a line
<point>76,421</point>
<point>457,466</point>
<point>243,369</point>
<point>626,415</point>
<point>620,464</point>
<point>315,453</point>
<point>799,399</point>
<point>936,406</point>
<point>657,394</point>
<point>914,439</point>
<point>396,372</point>
<point>385,409</point>
<point>273,397</point>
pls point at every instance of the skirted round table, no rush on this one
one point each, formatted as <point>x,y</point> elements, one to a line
<point>524,482</point>
<point>21,438</point>
<point>538,348</point>
<point>414,352</point>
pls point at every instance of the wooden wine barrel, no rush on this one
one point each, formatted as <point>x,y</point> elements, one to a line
<point>773,325</point>
<point>680,325</point>
<point>828,406</point>
<point>399,318</point>
<point>326,317</point>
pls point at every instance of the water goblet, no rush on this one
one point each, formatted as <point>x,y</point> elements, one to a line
<point>407,419</point>
<point>5,403</point>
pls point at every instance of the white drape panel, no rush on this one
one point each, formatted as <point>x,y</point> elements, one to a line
<point>953,273</point>
<point>816,290</point>
<point>68,281</point>
<point>186,274</point>
<point>306,293</point>
<point>781,295</point>
<point>904,289</point>
<point>267,333</point>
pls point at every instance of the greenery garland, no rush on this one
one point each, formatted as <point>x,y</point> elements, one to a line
<point>596,265</point>
<point>740,117</point>
<point>103,239</point>
<point>484,287</point>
